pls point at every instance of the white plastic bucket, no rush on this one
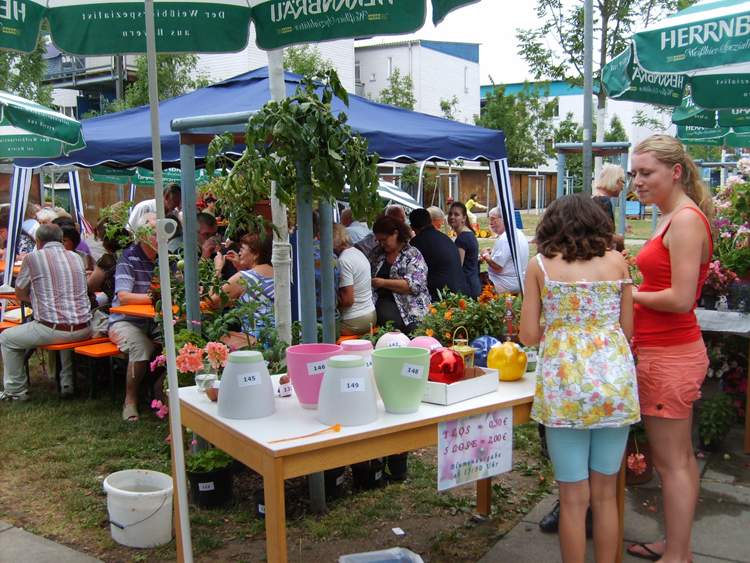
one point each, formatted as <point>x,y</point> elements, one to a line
<point>140,507</point>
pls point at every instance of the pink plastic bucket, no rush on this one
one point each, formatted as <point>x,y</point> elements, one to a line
<point>306,365</point>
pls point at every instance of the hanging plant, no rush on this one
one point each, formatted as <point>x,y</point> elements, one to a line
<point>299,141</point>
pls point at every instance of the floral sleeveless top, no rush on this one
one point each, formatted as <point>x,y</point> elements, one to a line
<point>585,375</point>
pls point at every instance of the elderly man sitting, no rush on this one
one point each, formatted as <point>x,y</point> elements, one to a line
<point>54,280</point>
<point>133,335</point>
<point>500,265</point>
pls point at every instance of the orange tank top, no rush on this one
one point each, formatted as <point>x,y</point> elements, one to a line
<point>661,328</point>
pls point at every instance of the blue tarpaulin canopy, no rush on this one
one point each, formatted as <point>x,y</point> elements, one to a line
<point>123,139</point>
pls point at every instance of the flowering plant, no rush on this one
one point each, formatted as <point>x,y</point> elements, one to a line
<point>635,273</point>
<point>486,315</point>
<point>732,218</point>
<point>718,280</point>
<point>191,349</point>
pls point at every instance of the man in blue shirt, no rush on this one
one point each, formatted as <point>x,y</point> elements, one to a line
<point>134,335</point>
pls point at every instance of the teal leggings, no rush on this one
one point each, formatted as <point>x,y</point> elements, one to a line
<point>573,451</point>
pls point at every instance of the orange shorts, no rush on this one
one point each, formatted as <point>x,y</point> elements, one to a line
<point>670,378</point>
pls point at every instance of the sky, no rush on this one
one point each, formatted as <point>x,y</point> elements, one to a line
<point>492,24</point>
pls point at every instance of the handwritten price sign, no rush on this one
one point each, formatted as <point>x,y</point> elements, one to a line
<point>475,447</point>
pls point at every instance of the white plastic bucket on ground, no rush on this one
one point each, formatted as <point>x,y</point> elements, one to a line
<point>140,507</point>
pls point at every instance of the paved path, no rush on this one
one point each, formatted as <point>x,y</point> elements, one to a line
<point>18,546</point>
<point>721,532</point>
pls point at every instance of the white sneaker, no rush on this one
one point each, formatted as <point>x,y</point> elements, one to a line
<point>23,396</point>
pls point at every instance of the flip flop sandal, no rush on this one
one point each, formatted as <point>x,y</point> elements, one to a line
<point>130,413</point>
<point>650,555</point>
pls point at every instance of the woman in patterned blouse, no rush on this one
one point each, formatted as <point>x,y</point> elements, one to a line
<point>399,276</point>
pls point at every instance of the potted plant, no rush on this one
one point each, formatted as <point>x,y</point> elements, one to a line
<point>718,283</point>
<point>715,421</point>
<point>739,297</point>
<point>211,478</point>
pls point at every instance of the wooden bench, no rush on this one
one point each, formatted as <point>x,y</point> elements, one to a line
<point>71,346</point>
<point>102,350</point>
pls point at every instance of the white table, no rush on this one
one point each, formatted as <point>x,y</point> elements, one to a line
<point>723,320</point>
<point>247,441</point>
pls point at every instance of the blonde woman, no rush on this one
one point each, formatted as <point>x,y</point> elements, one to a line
<point>672,360</point>
<point>611,181</point>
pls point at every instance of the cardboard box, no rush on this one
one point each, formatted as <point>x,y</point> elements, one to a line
<point>481,382</point>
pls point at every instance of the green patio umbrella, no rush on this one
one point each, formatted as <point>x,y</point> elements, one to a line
<point>29,130</point>
<point>703,47</point>
<point>110,27</point>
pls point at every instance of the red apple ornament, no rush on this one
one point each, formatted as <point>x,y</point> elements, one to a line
<point>446,366</point>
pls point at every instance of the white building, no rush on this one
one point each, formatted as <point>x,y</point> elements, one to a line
<point>440,70</point>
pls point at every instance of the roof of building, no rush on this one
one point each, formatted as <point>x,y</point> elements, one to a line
<point>556,88</point>
<point>466,51</point>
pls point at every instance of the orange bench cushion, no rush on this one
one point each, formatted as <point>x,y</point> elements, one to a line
<point>69,345</point>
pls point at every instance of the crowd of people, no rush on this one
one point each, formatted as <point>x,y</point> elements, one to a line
<point>579,306</point>
<point>390,273</point>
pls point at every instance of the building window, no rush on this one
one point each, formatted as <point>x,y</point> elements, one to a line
<point>357,72</point>
<point>466,79</point>
<point>390,67</point>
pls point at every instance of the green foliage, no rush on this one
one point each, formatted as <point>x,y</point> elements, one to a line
<point>554,50</point>
<point>704,153</point>
<point>208,460</point>
<point>239,194</point>
<point>716,418</point>
<point>22,74</point>
<point>400,91</point>
<point>527,120</point>
<point>570,131</point>
<point>311,148</point>
<point>174,75</point>
<point>306,60</point>
<point>448,107</point>
<point>478,317</point>
<point>616,131</point>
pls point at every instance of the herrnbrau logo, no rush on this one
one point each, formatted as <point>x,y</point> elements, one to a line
<point>295,8</point>
<point>709,32</point>
<point>12,10</point>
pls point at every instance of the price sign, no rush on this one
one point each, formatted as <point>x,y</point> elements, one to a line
<point>368,362</point>
<point>316,368</point>
<point>394,344</point>
<point>206,486</point>
<point>248,379</point>
<point>531,355</point>
<point>475,447</point>
<point>353,385</point>
<point>285,390</point>
<point>435,347</point>
<point>411,370</point>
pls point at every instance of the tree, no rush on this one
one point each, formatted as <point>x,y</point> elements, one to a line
<point>306,60</point>
<point>616,132</point>
<point>400,92</point>
<point>527,120</point>
<point>570,131</point>
<point>563,27</point>
<point>22,74</point>
<point>448,107</point>
<point>174,77</point>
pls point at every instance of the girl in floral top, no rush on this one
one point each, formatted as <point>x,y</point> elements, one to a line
<point>586,393</point>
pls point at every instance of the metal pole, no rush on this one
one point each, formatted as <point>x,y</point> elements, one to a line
<point>328,291</point>
<point>560,174</point>
<point>190,235</point>
<point>588,92</point>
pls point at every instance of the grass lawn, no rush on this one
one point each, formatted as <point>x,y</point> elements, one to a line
<point>56,454</point>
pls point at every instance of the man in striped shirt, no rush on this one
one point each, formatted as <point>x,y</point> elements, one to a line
<point>134,335</point>
<point>54,281</point>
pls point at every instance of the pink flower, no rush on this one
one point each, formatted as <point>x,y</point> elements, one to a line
<point>637,463</point>
<point>217,353</point>
<point>159,361</point>
<point>163,410</point>
<point>189,358</point>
